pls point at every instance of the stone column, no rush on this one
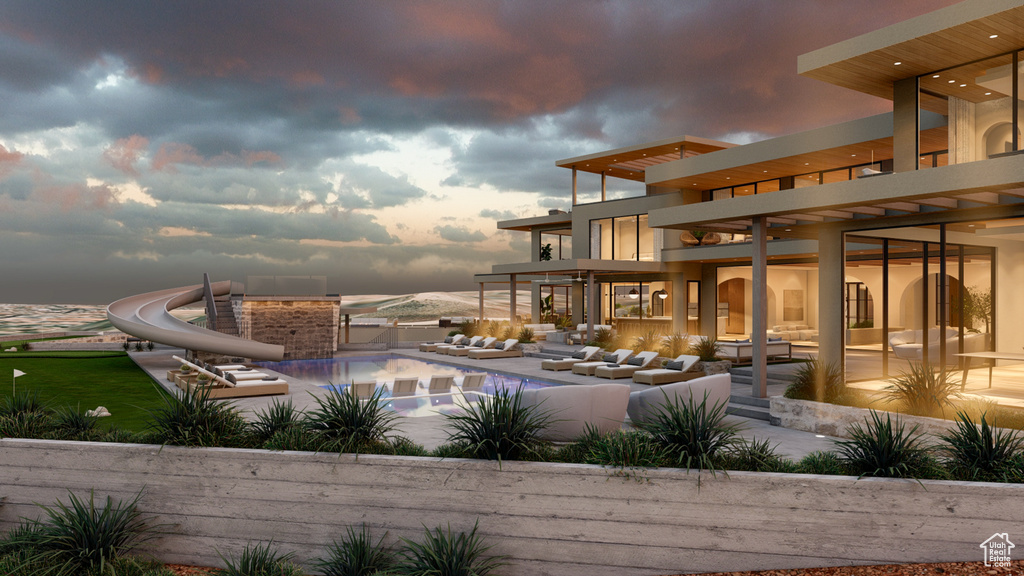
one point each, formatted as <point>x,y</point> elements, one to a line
<point>577,303</point>
<point>759,324</point>
<point>591,306</point>
<point>511,299</point>
<point>831,331</point>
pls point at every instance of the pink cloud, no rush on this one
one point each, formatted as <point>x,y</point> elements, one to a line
<point>253,157</point>
<point>172,153</point>
<point>125,152</point>
<point>9,160</point>
<point>70,197</point>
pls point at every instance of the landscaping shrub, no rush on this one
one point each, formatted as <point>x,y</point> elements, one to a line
<point>602,338</point>
<point>25,402</point>
<point>823,463</point>
<point>525,335</point>
<point>649,340</point>
<point>277,417</point>
<point>194,419</point>
<point>706,348</point>
<point>981,452</point>
<point>885,448</point>
<point>693,435</point>
<point>820,382</point>
<point>79,537</point>
<point>259,560</point>
<point>442,554</point>
<point>356,555</point>
<point>755,456</point>
<point>469,328</point>
<point>348,423</point>
<point>508,332</point>
<point>625,449</point>
<point>498,427</point>
<point>923,391</point>
<point>72,423</point>
<point>674,344</point>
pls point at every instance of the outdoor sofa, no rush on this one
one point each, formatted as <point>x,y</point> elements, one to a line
<point>645,403</point>
<point>575,408</point>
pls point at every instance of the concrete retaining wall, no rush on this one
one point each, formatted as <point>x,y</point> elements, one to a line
<point>550,518</point>
<point>834,420</point>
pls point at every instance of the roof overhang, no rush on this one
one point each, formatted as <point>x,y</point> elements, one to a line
<point>856,142</point>
<point>581,266</point>
<point>935,41</point>
<point>632,162</point>
<point>797,212</point>
<point>527,224</point>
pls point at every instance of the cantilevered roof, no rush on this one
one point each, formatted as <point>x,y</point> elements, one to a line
<point>527,224</point>
<point>632,162</point>
<point>851,143</point>
<point>996,184</point>
<point>938,40</point>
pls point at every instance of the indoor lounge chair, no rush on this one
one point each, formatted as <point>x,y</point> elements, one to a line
<point>675,371</point>
<point>627,368</point>
<point>587,368</point>
<point>508,349</point>
<point>581,355</point>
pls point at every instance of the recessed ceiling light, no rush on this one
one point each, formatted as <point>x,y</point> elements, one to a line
<point>897,63</point>
<point>936,76</point>
<point>789,229</point>
<point>994,36</point>
<point>807,163</point>
<point>952,82</point>
<point>854,155</point>
<point>765,171</point>
<point>970,225</point>
<point>988,93</point>
<point>963,85</point>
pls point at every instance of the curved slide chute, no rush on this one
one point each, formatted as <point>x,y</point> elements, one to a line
<point>148,316</point>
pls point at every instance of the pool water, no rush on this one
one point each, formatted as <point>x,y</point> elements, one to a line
<point>384,368</point>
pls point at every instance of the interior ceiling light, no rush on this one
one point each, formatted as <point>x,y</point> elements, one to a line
<point>633,294</point>
<point>952,82</point>
<point>897,63</point>
<point>936,76</point>
<point>988,93</point>
<point>963,85</point>
<point>662,294</point>
<point>994,36</point>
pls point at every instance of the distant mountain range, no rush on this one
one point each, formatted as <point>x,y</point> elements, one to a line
<point>420,307</point>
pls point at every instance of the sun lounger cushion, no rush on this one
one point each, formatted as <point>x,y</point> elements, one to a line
<point>479,344</point>
<point>635,361</point>
<point>449,340</point>
<point>673,365</point>
<point>580,355</point>
<point>610,358</point>
<point>499,346</point>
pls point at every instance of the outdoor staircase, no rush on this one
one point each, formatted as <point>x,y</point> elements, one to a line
<point>225,317</point>
<point>749,407</point>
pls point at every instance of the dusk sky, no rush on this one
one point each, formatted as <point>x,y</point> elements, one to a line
<point>375,143</point>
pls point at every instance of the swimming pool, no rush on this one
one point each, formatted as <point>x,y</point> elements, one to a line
<point>384,368</point>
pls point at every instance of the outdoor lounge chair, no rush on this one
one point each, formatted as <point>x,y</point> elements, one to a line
<point>582,355</point>
<point>508,349</point>
<point>443,348</point>
<point>404,386</point>
<point>628,368</point>
<point>644,403</point>
<point>587,368</point>
<point>363,389</point>
<point>674,371</point>
<point>574,409</point>
<point>465,350</point>
<point>474,381</point>
<point>221,387</point>
<point>440,383</point>
<point>432,347</point>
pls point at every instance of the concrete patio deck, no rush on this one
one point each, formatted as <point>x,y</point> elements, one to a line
<point>430,432</point>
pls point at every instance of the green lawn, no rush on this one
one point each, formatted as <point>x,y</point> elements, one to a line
<point>86,380</point>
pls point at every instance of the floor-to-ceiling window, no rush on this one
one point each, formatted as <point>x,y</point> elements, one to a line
<point>625,238</point>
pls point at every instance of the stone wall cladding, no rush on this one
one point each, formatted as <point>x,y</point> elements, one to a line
<point>306,328</point>
<point>553,519</point>
<point>833,420</point>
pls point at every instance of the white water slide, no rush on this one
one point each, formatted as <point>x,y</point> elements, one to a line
<point>148,316</point>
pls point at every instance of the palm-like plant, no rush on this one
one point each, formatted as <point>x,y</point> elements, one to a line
<point>923,391</point>
<point>195,419</point>
<point>498,427</point>
<point>259,560</point>
<point>674,344</point>
<point>980,452</point>
<point>277,417</point>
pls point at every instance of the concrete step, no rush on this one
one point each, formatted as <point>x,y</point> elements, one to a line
<point>749,401</point>
<point>747,411</point>
<point>748,380</point>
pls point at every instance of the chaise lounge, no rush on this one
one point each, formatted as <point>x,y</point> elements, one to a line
<point>582,355</point>
<point>432,346</point>
<point>508,349</point>
<point>230,387</point>
<point>465,350</point>
<point>630,367</point>
<point>675,371</point>
<point>588,368</point>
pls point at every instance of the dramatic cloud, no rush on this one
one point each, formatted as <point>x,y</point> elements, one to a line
<point>344,139</point>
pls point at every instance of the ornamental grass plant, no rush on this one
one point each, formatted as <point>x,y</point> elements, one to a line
<point>356,554</point>
<point>886,448</point>
<point>923,391</point>
<point>982,452</point>
<point>346,423</point>
<point>819,381</point>
<point>706,348</point>
<point>498,427</point>
<point>195,419</point>
<point>693,435</point>
<point>445,554</point>
<point>259,560</point>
